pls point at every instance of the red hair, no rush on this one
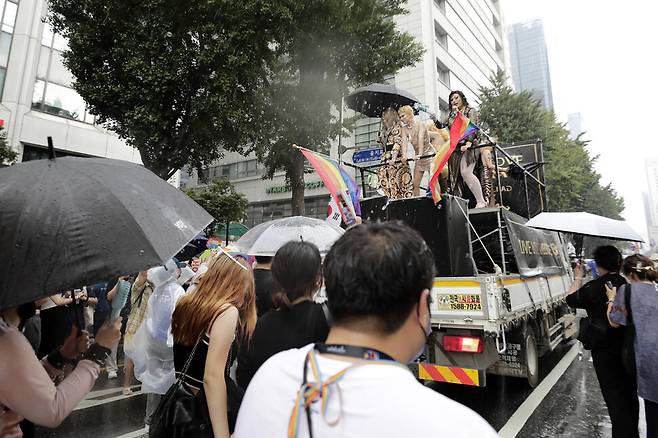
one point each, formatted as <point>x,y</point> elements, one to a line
<point>228,282</point>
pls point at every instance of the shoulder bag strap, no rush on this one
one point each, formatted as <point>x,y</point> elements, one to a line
<point>189,359</point>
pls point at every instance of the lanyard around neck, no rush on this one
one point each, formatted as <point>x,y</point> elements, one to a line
<point>320,389</point>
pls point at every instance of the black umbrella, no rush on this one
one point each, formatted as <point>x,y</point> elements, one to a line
<point>194,247</point>
<point>71,221</point>
<point>373,99</point>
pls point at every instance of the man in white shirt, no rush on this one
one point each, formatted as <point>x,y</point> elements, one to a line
<point>377,279</point>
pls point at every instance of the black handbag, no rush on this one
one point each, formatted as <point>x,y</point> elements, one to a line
<point>592,335</point>
<point>628,346</point>
<point>181,413</point>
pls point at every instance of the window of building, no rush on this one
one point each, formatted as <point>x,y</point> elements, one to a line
<point>441,4</point>
<point>257,213</point>
<point>8,9</point>
<point>241,169</point>
<point>52,90</point>
<point>441,35</point>
<point>444,73</point>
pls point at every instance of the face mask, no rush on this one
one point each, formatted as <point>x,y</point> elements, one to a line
<point>25,312</point>
<point>427,330</point>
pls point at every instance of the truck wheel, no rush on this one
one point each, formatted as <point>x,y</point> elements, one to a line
<point>531,357</point>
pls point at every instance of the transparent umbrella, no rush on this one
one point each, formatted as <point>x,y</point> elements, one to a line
<point>265,239</point>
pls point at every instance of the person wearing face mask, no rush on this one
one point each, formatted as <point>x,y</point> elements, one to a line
<point>296,320</point>
<point>378,279</point>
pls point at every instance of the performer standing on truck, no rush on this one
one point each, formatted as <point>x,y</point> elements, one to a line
<point>464,159</point>
<point>394,174</point>
<point>417,135</point>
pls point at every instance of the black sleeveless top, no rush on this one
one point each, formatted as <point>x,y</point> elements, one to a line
<point>194,376</point>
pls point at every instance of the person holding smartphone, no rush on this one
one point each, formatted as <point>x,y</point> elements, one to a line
<point>618,388</point>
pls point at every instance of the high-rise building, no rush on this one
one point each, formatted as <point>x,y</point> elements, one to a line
<point>575,123</point>
<point>464,46</point>
<point>529,59</point>
<point>651,165</point>
<point>36,94</point>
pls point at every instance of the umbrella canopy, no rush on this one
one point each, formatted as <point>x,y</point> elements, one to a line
<point>235,229</point>
<point>71,221</point>
<point>265,239</point>
<point>585,224</point>
<point>373,99</point>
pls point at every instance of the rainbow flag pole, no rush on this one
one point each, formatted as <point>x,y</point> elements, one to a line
<point>461,128</point>
<point>341,185</point>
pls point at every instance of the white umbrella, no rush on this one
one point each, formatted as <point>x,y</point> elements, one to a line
<point>586,224</point>
<point>265,239</point>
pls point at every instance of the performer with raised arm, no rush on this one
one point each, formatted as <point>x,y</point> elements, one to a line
<point>394,175</point>
<point>464,159</point>
<point>417,135</point>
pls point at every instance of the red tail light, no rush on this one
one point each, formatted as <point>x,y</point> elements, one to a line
<point>463,344</point>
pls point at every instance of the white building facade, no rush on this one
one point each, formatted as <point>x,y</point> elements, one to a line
<point>651,165</point>
<point>37,100</point>
<point>464,45</point>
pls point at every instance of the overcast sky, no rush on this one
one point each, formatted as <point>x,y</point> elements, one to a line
<point>601,62</point>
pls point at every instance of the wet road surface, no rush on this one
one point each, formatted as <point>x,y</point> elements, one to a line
<point>571,407</point>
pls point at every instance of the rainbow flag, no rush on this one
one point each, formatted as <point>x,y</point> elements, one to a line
<point>341,185</point>
<point>461,128</point>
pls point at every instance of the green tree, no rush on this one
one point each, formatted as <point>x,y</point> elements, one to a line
<point>7,154</point>
<point>175,79</point>
<point>333,46</point>
<point>220,200</point>
<point>572,184</point>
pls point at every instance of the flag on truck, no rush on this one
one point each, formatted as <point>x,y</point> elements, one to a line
<point>461,128</point>
<point>341,185</point>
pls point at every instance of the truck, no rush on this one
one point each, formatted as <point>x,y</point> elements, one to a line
<point>498,301</point>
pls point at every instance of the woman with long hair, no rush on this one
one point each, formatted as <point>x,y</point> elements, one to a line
<point>219,312</point>
<point>394,176</point>
<point>297,320</point>
<point>637,304</point>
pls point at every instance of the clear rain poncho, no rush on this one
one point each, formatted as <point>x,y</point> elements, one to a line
<point>151,349</point>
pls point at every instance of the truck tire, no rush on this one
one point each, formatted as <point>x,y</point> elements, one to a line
<point>531,357</point>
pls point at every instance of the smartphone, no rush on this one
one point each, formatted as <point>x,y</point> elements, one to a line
<point>609,284</point>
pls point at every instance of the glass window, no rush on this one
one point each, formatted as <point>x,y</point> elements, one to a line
<point>37,96</point>
<point>5,44</point>
<point>60,43</point>
<point>47,35</point>
<point>63,101</point>
<point>9,17</point>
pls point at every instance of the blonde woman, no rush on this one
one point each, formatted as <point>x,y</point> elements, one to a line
<point>417,135</point>
<point>216,316</point>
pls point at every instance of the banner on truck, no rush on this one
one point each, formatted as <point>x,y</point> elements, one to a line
<point>537,251</point>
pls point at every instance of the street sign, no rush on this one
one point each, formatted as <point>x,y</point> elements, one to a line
<point>367,155</point>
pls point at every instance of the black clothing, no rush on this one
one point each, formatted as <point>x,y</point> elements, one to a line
<point>618,388</point>
<point>281,330</point>
<point>194,376</point>
<point>56,323</point>
<point>619,391</point>
<point>591,297</point>
<point>264,284</point>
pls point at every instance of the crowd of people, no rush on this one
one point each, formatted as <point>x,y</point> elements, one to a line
<point>205,332</point>
<point>250,341</point>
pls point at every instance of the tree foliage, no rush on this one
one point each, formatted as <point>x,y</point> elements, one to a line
<point>177,80</point>
<point>221,200</point>
<point>333,46</point>
<point>572,184</point>
<point>7,154</point>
